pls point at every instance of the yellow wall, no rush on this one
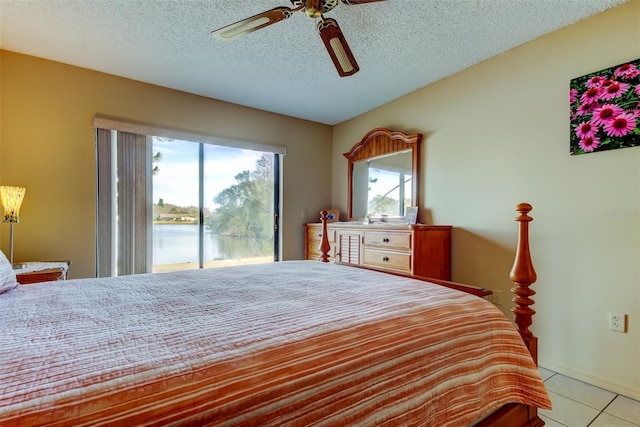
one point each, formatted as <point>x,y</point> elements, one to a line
<point>47,145</point>
<point>497,134</point>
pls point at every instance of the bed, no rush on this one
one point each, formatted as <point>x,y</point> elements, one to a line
<point>295,343</point>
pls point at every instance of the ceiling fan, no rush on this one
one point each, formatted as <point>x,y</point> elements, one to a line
<point>328,29</point>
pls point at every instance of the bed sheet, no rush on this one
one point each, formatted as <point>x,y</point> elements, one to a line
<point>295,343</point>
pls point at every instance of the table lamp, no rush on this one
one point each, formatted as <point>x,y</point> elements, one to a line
<point>11,201</point>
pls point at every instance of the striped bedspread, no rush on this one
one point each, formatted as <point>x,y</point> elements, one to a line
<point>296,343</point>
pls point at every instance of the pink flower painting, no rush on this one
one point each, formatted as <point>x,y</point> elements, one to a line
<point>605,113</point>
<point>605,109</point>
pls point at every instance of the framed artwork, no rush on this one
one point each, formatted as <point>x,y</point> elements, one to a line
<point>411,215</point>
<point>605,109</point>
<point>333,215</point>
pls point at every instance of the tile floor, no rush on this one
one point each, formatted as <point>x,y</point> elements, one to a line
<point>578,404</point>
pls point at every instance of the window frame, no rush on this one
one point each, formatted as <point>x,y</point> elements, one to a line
<point>106,129</point>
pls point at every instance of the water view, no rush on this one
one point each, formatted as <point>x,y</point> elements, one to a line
<point>178,243</point>
<point>232,188</point>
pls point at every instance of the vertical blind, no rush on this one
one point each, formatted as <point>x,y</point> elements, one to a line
<point>124,213</point>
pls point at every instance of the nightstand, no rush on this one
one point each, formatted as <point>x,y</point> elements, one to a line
<point>36,272</point>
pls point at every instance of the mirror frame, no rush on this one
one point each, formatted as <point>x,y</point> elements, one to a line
<point>378,142</point>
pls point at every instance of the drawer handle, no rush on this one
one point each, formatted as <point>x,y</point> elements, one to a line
<point>385,259</point>
<point>319,234</point>
<point>385,240</point>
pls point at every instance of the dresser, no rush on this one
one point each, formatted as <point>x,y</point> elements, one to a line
<point>421,250</point>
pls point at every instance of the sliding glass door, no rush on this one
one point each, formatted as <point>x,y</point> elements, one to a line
<point>166,204</point>
<point>212,205</point>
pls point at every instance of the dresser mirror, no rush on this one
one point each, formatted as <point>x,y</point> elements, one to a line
<point>383,176</point>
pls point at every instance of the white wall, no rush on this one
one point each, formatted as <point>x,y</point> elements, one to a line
<point>497,134</point>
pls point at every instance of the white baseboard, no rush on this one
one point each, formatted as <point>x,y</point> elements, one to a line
<point>615,387</point>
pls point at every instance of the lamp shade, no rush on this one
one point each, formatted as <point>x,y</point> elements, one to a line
<point>11,201</point>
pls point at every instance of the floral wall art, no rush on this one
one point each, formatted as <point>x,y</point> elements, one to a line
<point>605,109</point>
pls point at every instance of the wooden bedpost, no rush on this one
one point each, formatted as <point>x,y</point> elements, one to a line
<point>325,246</point>
<point>524,275</point>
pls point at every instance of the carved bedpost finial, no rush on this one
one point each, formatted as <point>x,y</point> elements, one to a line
<point>523,275</point>
<point>325,246</point>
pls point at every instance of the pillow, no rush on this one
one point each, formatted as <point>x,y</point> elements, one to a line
<point>7,275</point>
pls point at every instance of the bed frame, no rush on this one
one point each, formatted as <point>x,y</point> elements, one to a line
<point>523,275</point>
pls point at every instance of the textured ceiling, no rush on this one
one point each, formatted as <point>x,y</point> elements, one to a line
<point>400,45</point>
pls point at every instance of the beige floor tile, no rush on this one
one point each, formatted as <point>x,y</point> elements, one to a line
<point>569,412</point>
<point>606,420</point>
<point>579,391</point>
<point>625,408</point>
<point>548,422</point>
<point>545,373</point>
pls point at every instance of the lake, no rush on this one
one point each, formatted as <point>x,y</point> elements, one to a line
<point>178,243</point>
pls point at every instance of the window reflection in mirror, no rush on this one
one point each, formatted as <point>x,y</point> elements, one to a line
<point>382,185</point>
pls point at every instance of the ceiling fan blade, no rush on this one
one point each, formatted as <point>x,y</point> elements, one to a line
<point>352,2</point>
<point>337,47</point>
<point>253,23</point>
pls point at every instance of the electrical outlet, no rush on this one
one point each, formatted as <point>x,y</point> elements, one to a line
<point>617,321</point>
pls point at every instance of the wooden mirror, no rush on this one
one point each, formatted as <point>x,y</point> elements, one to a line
<point>383,175</point>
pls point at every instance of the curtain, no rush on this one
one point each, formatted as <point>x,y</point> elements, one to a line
<point>124,203</point>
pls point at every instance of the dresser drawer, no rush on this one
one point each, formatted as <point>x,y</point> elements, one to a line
<point>386,259</point>
<point>388,239</point>
<point>313,251</point>
<point>314,234</point>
